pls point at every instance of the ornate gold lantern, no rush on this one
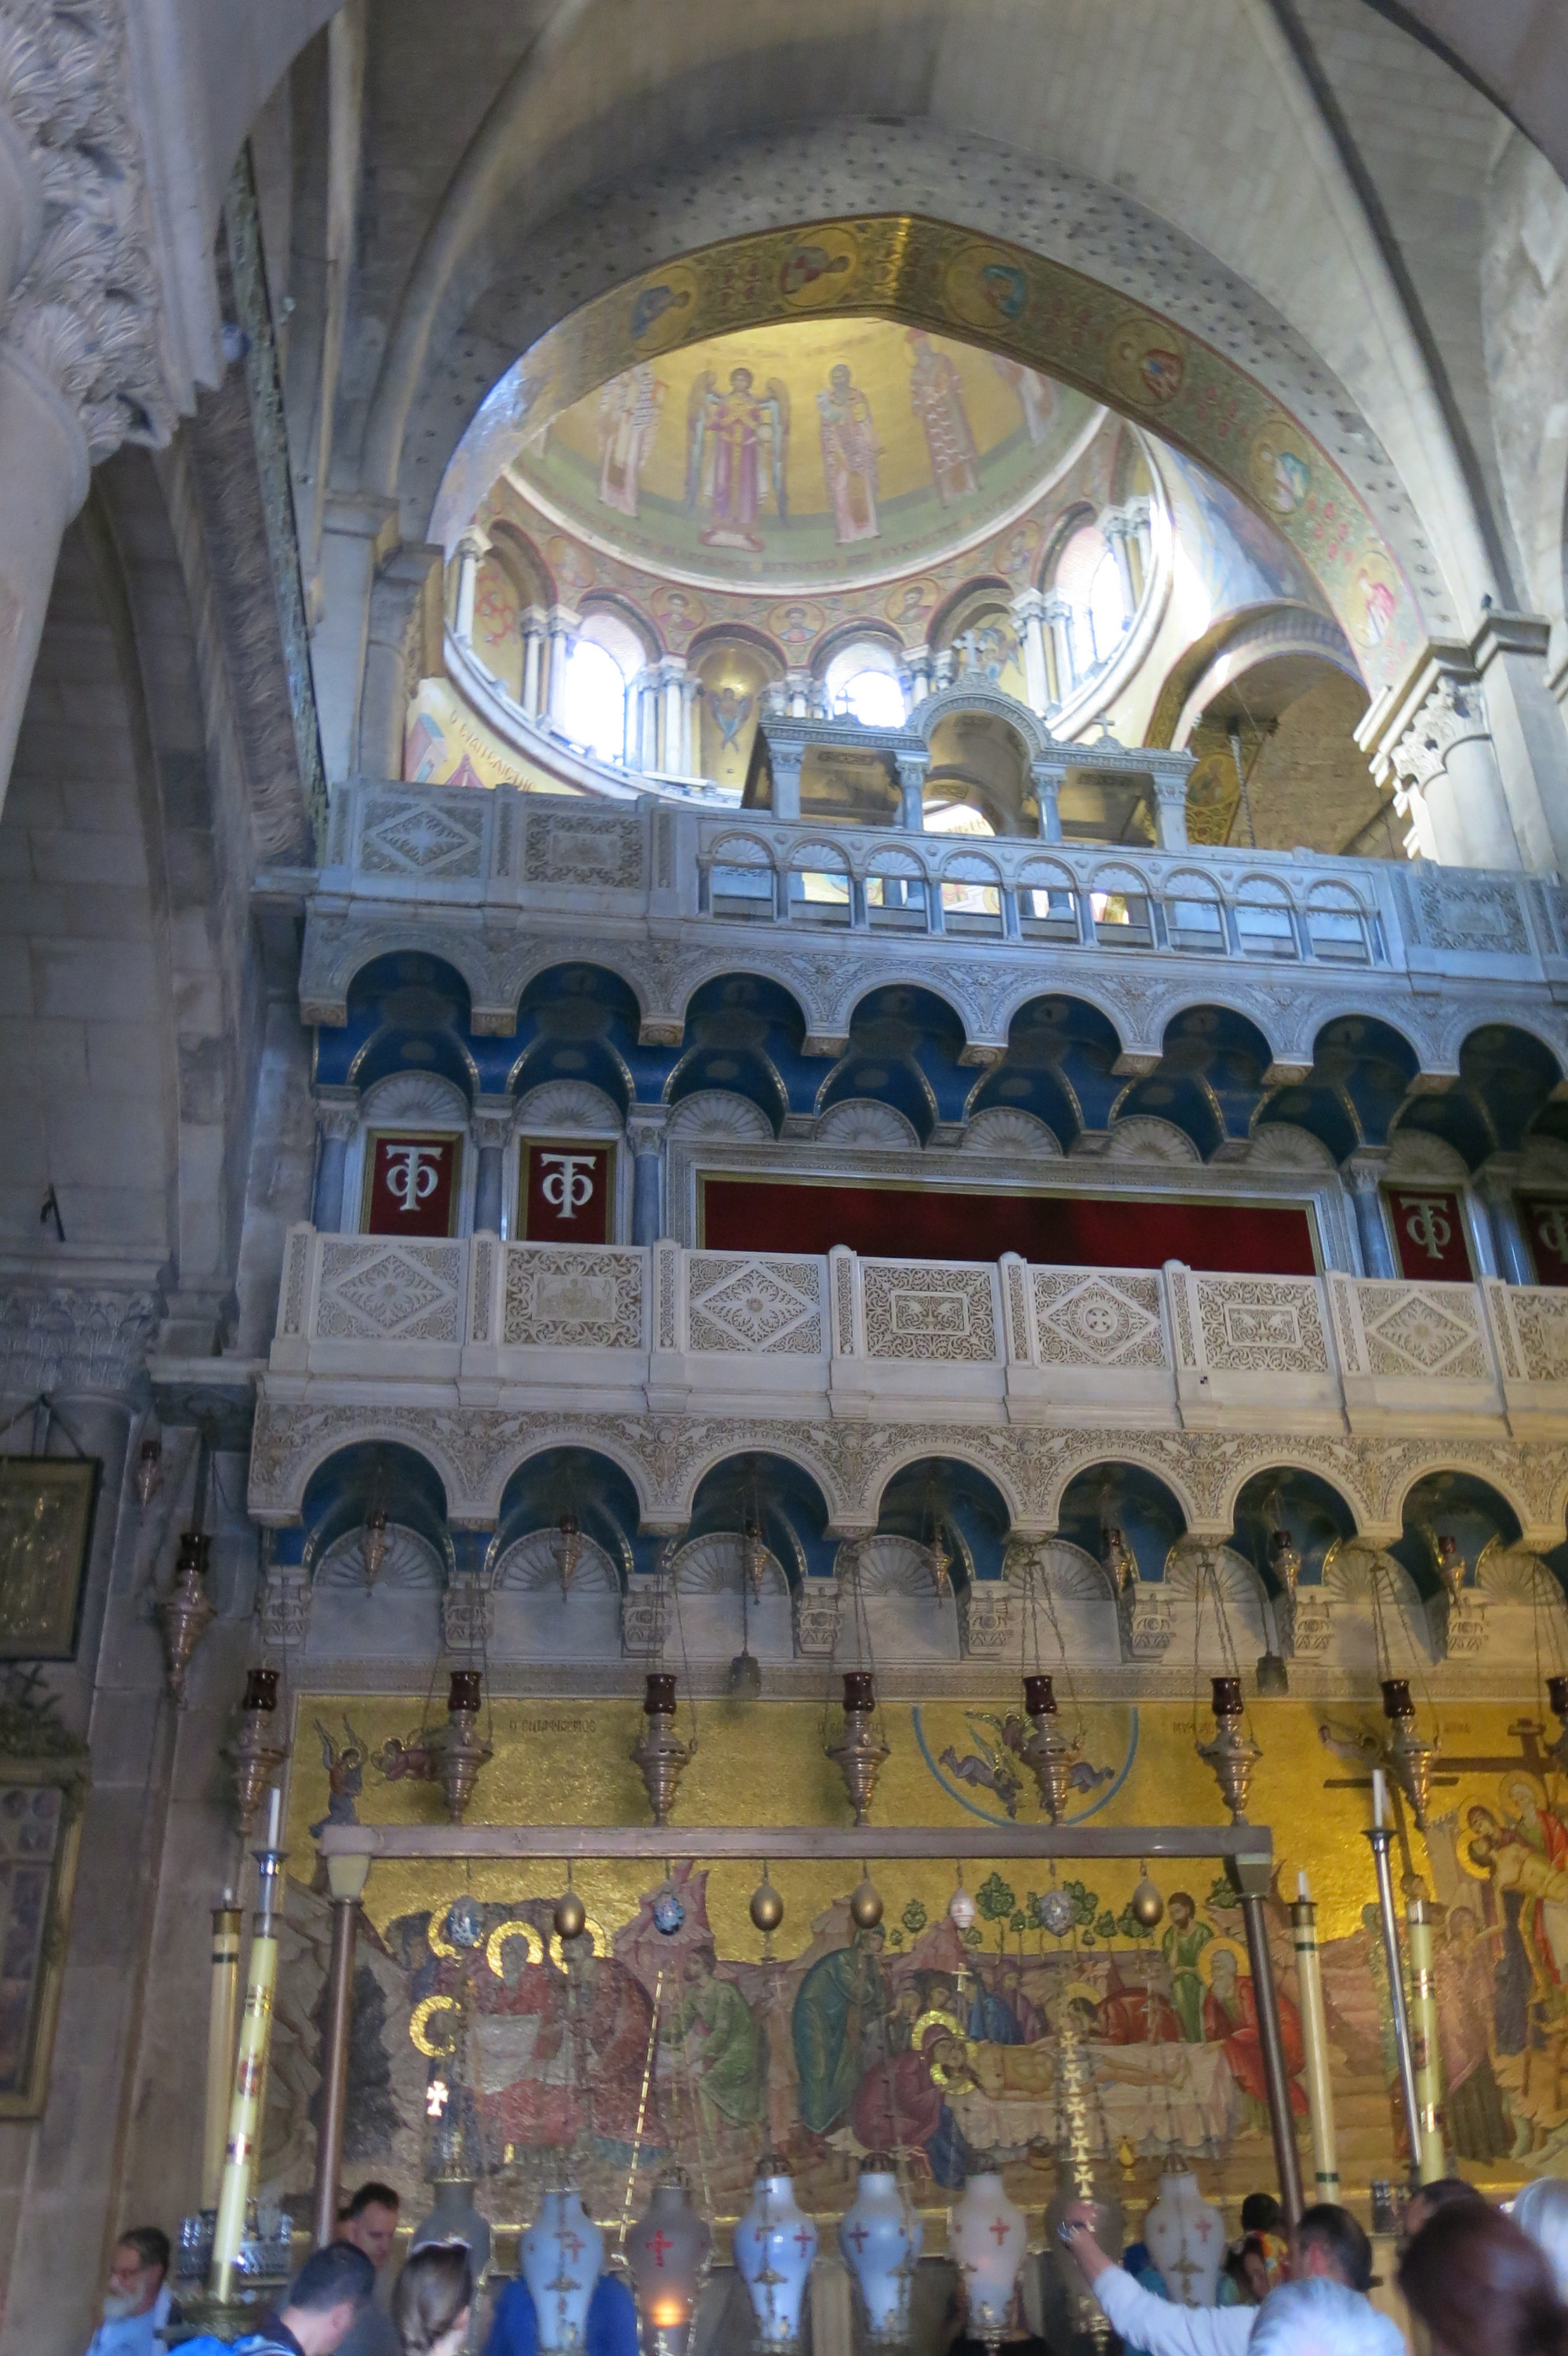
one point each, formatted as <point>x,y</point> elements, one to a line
<point>185,1611</point>
<point>659,1754</point>
<point>258,1754</point>
<point>860,1754</point>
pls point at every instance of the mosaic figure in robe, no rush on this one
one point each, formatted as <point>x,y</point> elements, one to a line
<point>629,408</point>
<point>936,397</point>
<point>849,453</point>
<point>737,451</point>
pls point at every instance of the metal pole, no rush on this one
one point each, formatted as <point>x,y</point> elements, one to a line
<point>347,1877</point>
<point>1380,1836</point>
<point>1287,2160</point>
<point>1315,2035</point>
<point>226,1922</point>
<point>709,1844</point>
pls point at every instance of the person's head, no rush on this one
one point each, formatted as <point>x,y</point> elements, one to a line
<point>1253,2267</point>
<point>1181,1909</point>
<point>136,2272</point>
<point>1328,2246</point>
<point>1261,2213</point>
<point>1482,2287</point>
<point>370,2222</point>
<point>1224,1972</point>
<point>1445,2192</point>
<point>432,2302</point>
<point>326,2296</point>
<point>1321,2318</point>
<point>740,379</point>
<point>1541,2212</point>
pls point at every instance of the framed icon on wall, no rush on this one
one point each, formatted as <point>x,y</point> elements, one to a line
<point>46,1505</point>
<point>563,1191</point>
<point>41,1801</point>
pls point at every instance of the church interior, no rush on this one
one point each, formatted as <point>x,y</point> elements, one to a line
<point>784,955</point>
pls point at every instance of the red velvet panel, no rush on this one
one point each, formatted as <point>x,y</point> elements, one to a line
<point>948,1223</point>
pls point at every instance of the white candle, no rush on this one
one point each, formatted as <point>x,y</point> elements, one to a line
<point>275,1814</point>
<point>1302,1891</point>
<point>1377,1795</point>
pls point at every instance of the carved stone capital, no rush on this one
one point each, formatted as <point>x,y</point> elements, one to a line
<point>87,313</point>
<point>1306,1624</point>
<point>985,1619</point>
<point>1144,1621</point>
<point>337,1114</point>
<point>1455,711</point>
<point>466,1614</point>
<point>491,1124</point>
<point>1458,1624</point>
<point>68,1338</point>
<point>285,1604</point>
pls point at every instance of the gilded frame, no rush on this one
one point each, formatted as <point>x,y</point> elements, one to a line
<point>50,1559</point>
<point>67,1773</point>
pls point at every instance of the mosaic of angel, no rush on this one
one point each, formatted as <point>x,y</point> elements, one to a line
<point>737,445</point>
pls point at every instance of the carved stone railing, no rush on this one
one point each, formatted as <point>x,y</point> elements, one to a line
<point>741,872</point>
<point>672,1330</point>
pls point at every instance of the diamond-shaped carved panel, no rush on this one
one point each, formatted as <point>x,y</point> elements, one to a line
<point>755,1306</point>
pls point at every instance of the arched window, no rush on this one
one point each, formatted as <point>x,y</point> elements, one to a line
<point>1089,583</point>
<point>862,683</point>
<point>593,701</point>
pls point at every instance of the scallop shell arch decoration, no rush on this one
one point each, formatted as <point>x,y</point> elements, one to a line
<point>713,1566</point>
<point>530,1564</point>
<point>411,1561</point>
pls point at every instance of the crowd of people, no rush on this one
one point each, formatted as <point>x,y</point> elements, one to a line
<point>1476,2281</point>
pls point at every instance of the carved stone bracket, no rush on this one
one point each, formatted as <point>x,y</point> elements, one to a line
<point>985,1618</point>
<point>816,1603</point>
<point>1144,1621</point>
<point>1458,1624</point>
<point>640,1616</point>
<point>1305,1623</point>
<point>465,1613</point>
<point>285,1605</point>
<point>65,1338</point>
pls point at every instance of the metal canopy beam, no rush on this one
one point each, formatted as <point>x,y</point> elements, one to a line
<point>711,1844</point>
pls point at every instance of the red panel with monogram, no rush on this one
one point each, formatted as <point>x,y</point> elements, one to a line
<point>1429,1234</point>
<point>565,1194</point>
<point>1544,1219</point>
<point>413,1188</point>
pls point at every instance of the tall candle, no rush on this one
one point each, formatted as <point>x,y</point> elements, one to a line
<point>275,1816</point>
<point>1302,1891</point>
<point>1378,1795</point>
<point>1315,2040</point>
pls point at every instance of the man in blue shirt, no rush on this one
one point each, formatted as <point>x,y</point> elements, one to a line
<point>612,2328</point>
<point>136,2304</point>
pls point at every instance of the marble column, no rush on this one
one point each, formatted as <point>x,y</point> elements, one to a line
<point>917,664</point>
<point>531,622</point>
<point>912,769</point>
<point>472,549</point>
<point>43,482</point>
<point>1448,781</point>
<point>1171,814</point>
<point>1363,1174</point>
<point>1048,778</point>
<point>337,1119</point>
<point>786,759</point>
<point>1058,617</point>
<point>490,1130</point>
<point>690,689</point>
<point>1117,530</point>
<point>646,1125</point>
<point>1496,1186</point>
<point>1029,613</point>
<point>561,627</point>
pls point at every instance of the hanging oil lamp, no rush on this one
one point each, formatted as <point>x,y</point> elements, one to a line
<point>1231,1753</point>
<point>1046,1752</point>
<point>186,1610</point>
<point>373,1542</point>
<point>860,1754</point>
<point>1284,1562</point>
<point>879,2236</point>
<point>258,1754</point>
<point>461,1750</point>
<point>149,1472</point>
<point>568,1549</point>
<point>753,1554</point>
<point>1409,1754</point>
<point>1121,1563</point>
<point>659,1754</point>
<point>936,1553</point>
<point>668,2251</point>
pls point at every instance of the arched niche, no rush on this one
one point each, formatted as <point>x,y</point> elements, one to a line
<point>386,1492</point>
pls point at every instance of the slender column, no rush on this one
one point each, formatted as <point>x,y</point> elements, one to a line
<point>911,789</point>
<point>786,781</point>
<point>798,695</point>
<point>1029,613</point>
<point>347,1877</point>
<point>1117,530</point>
<point>490,1129</point>
<point>917,663</point>
<point>1286,2162</point>
<point>646,1126</point>
<point>1363,1174</point>
<point>226,1922</point>
<point>249,2069</point>
<point>1170,813</point>
<point>1047,788</point>
<point>1496,1190</point>
<point>470,549</point>
<point>1059,621</point>
<point>1314,2038</point>
<point>336,1116</point>
<point>690,689</point>
<point>42,484</point>
<point>1425,2051</point>
<point>672,673</point>
<point>1139,527</point>
<point>532,626</point>
<point>561,625</point>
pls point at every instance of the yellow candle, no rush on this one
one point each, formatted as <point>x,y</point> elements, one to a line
<point>1315,2037</point>
<point>220,2048</point>
<point>1430,2163</point>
